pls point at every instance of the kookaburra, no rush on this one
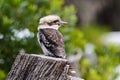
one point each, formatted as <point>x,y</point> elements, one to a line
<point>49,38</point>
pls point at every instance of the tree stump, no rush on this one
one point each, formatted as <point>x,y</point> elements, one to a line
<point>39,67</point>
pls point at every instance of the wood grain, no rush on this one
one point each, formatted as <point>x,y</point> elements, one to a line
<point>38,67</point>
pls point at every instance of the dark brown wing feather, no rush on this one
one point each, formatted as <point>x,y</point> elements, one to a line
<point>55,42</point>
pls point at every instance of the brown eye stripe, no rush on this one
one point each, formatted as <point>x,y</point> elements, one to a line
<point>54,22</point>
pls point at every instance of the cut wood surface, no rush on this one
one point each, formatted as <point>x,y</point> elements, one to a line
<point>39,67</point>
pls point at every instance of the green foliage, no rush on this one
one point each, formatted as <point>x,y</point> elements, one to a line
<point>2,75</point>
<point>104,69</point>
<point>74,40</point>
<point>19,15</point>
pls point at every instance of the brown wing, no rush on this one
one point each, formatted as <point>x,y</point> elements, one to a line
<point>54,42</point>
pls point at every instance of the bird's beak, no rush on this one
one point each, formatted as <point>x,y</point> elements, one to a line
<point>62,23</point>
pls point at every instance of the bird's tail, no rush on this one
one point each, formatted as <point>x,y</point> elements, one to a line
<point>71,70</point>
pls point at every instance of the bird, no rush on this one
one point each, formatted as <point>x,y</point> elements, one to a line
<point>50,38</point>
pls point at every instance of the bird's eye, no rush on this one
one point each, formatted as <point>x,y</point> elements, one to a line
<point>56,21</point>
<point>53,22</point>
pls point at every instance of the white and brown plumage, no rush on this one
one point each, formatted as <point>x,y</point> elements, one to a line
<point>50,39</point>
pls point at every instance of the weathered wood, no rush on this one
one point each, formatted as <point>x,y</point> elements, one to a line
<point>38,67</point>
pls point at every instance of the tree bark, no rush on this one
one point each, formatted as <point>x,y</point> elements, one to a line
<point>39,67</point>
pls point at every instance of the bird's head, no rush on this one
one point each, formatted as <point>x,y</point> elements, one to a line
<point>51,21</point>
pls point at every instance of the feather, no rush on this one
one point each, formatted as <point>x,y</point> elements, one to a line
<point>53,41</point>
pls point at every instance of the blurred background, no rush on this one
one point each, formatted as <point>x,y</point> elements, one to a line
<point>92,37</point>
